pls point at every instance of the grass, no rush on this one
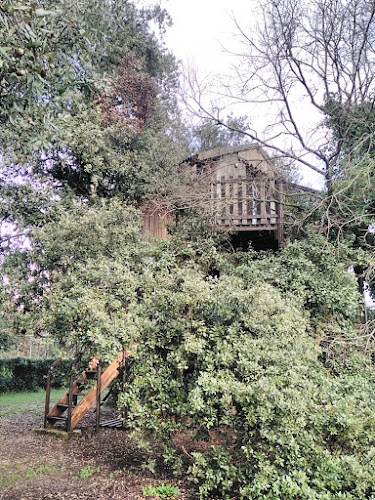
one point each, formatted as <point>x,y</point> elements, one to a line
<point>17,402</point>
<point>12,403</point>
<point>89,471</point>
<point>161,491</point>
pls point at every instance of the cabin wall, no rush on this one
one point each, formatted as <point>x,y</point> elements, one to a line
<point>247,192</point>
<point>155,225</point>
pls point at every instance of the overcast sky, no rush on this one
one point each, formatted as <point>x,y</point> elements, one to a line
<point>200,27</point>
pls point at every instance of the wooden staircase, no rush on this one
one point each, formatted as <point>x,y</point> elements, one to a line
<point>66,410</point>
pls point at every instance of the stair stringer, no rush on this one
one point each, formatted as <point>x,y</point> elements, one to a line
<point>109,375</point>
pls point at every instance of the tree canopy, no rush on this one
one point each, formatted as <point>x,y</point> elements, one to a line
<point>88,106</point>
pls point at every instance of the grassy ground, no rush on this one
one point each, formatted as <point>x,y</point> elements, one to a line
<point>14,403</point>
<point>103,466</point>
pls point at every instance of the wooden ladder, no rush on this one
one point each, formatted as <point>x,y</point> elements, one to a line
<point>75,412</point>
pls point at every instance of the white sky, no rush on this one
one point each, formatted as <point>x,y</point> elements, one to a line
<point>201,27</point>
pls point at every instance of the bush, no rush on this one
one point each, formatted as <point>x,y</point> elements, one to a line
<point>234,362</point>
<point>21,374</point>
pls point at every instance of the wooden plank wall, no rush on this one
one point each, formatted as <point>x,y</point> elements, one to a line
<point>155,225</point>
<point>245,193</point>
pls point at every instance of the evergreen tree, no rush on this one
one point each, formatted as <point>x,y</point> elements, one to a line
<point>89,121</point>
<point>209,135</point>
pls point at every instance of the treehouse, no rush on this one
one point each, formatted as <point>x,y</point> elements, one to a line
<point>240,188</point>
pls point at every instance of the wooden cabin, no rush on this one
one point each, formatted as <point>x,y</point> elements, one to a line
<point>243,190</point>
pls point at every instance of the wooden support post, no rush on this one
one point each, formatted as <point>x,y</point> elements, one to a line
<point>235,202</point>
<point>254,207</point>
<point>70,403</point>
<point>227,196</point>
<point>48,397</point>
<point>219,201</point>
<point>279,186</point>
<point>262,203</point>
<point>244,204</point>
<point>98,396</point>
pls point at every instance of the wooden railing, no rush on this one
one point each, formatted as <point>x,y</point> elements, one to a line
<point>245,205</point>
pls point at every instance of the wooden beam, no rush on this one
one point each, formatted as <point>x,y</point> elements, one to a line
<point>48,398</point>
<point>70,404</point>
<point>236,229</point>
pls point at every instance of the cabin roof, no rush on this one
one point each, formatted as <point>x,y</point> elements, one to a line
<point>225,150</point>
<point>221,151</point>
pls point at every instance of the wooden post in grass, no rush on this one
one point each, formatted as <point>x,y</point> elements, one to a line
<point>48,397</point>
<point>70,404</point>
<point>98,396</point>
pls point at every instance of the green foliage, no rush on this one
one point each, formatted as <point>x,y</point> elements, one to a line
<point>356,200</point>
<point>89,471</point>
<point>109,160</point>
<point>209,134</point>
<point>94,113</point>
<point>313,275</point>
<point>6,341</point>
<point>6,372</point>
<point>92,284</point>
<point>352,126</point>
<point>20,374</point>
<point>92,262</point>
<point>235,360</point>
<point>102,125</point>
<point>161,491</point>
<point>54,59</point>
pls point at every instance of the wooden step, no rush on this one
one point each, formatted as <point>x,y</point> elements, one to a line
<point>79,410</point>
<point>113,422</point>
<point>53,420</point>
<point>65,406</point>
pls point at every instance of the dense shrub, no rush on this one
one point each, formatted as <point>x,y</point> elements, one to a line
<point>313,275</point>
<point>235,362</point>
<point>260,362</point>
<point>21,374</point>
